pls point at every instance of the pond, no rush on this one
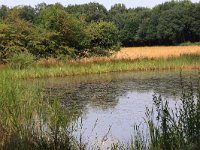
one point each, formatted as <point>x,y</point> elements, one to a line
<point>109,105</point>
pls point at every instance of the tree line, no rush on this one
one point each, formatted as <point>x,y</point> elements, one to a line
<point>92,30</point>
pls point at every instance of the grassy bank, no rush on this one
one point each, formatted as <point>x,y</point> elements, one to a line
<point>76,68</point>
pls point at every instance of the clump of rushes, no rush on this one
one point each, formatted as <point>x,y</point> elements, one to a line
<point>172,129</point>
<point>22,60</point>
<point>30,120</point>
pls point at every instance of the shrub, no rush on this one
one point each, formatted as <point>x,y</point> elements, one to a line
<point>103,38</point>
<point>21,61</point>
<point>190,44</point>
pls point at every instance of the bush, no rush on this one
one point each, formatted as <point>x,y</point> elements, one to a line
<point>21,60</point>
<point>102,38</point>
<point>190,44</point>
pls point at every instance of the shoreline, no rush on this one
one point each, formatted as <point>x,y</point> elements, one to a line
<point>185,62</point>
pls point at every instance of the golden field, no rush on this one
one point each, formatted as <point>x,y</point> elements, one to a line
<point>156,52</point>
<point>135,53</point>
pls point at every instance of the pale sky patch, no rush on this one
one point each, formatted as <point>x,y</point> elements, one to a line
<point>106,3</point>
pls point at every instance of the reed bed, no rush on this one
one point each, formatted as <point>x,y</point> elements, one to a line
<point>68,69</point>
<point>32,120</point>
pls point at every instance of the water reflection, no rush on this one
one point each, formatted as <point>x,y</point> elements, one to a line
<point>103,90</point>
<point>110,104</point>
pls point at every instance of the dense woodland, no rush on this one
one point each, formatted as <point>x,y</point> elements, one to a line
<point>76,31</point>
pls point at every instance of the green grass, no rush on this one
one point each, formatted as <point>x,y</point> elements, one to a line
<point>61,70</point>
<point>30,119</point>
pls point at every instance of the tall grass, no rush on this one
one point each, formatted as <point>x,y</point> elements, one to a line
<point>170,129</point>
<point>77,68</point>
<point>31,120</point>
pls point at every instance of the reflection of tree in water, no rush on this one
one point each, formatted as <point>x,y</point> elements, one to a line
<point>101,91</point>
<point>101,95</point>
<point>168,86</point>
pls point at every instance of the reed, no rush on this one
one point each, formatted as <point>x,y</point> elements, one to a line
<point>191,61</point>
<point>31,120</point>
<point>170,129</point>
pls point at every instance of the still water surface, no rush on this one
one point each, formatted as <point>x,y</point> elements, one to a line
<point>109,105</point>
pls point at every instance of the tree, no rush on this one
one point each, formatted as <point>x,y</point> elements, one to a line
<point>103,38</point>
<point>15,34</point>
<point>147,30</point>
<point>91,12</point>
<point>28,13</point>
<point>117,15</point>
<point>195,24</point>
<point>117,9</point>
<point>175,24</point>
<point>3,11</point>
<point>46,44</point>
<point>69,30</point>
<point>128,32</point>
<point>128,22</point>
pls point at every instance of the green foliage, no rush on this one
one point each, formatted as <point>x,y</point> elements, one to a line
<point>30,121</point>
<point>21,60</point>
<point>196,21</point>
<point>46,44</point>
<point>190,44</point>
<point>174,25</point>
<point>91,12</point>
<point>14,38</point>
<point>68,30</point>
<point>170,23</point>
<point>90,29</point>
<point>103,38</point>
<point>3,11</point>
<point>28,13</point>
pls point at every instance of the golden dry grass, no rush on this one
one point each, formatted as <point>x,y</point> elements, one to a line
<point>156,52</point>
<point>49,62</point>
<point>132,53</point>
<point>3,66</point>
